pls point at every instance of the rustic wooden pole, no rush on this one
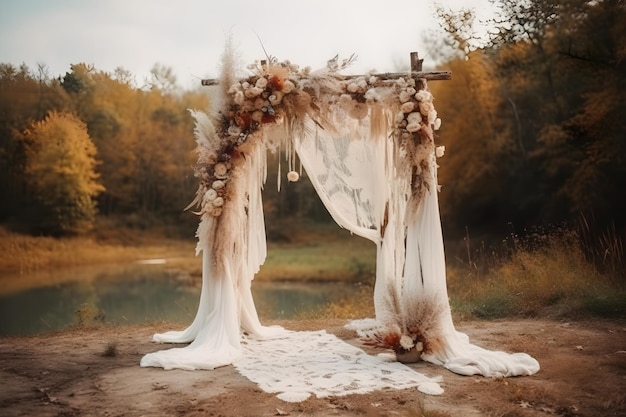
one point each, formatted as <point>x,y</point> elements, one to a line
<point>416,72</point>
<point>416,63</point>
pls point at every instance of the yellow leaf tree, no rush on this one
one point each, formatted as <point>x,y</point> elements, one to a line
<point>60,174</point>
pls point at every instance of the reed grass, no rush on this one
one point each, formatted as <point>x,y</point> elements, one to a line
<point>546,274</point>
<point>24,254</point>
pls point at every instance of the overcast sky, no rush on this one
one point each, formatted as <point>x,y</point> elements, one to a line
<point>189,35</point>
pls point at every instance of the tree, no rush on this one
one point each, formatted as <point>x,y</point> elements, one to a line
<point>60,174</point>
<point>475,166</point>
<point>556,73</point>
<point>22,100</point>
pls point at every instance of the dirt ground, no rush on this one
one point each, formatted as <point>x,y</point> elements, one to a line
<point>95,372</point>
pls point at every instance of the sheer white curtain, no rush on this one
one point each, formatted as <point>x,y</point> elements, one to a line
<point>231,254</point>
<point>363,185</point>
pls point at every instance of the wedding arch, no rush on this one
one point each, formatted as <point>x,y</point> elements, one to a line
<point>367,144</point>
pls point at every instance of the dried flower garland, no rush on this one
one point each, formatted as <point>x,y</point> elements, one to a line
<point>282,93</point>
<point>251,103</point>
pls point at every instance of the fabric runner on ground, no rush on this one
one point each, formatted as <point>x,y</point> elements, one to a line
<point>315,362</point>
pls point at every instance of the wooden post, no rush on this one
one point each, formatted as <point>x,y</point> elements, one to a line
<point>416,69</point>
<point>416,63</point>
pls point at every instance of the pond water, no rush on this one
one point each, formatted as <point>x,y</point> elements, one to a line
<point>142,293</point>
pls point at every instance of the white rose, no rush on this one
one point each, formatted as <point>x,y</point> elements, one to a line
<point>423,95</point>
<point>220,170</point>
<point>209,195</point>
<point>407,107</point>
<point>234,130</point>
<point>352,88</point>
<point>218,202</point>
<point>372,94</point>
<point>406,342</point>
<point>261,83</point>
<point>437,124</point>
<point>440,151</point>
<point>218,184</point>
<point>413,127</point>
<point>404,96</point>
<point>239,98</point>
<point>253,92</point>
<point>432,116</point>
<point>426,107</point>
<point>414,117</point>
<point>288,87</point>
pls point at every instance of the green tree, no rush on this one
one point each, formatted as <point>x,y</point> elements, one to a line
<point>60,174</point>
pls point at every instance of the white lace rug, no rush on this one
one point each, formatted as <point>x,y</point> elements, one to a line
<point>302,364</point>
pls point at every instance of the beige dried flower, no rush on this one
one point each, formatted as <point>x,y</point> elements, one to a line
<point>220,170</point>
<point>257,116</point>
<point>261,83</point>
<point>414,117</point>
<point>288,87</point>
<point>218,202</point>
<point>293,176</point>
<point>406,342</point>
<point>407,107</point>
<point>413,127</point>
<point>209,195</point>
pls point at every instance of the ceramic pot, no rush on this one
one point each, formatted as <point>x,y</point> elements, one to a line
<point>408,356</point>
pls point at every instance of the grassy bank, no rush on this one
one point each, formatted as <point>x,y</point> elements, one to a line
<point>547,275</point>
<point>540,275</point>
<point>23,254</point>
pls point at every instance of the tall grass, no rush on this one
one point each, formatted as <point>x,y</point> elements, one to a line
<point>604,248</point>
<point>24,254</point>
<point>544,273</point>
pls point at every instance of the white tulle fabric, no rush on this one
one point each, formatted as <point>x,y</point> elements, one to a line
<point>366,179</point>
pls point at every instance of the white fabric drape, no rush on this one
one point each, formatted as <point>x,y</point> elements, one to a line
<point>226,306</point>
<point>363,190</point>
<point>369,151</point>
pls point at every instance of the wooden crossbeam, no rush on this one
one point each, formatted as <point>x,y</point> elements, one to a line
<point>416,72</point>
